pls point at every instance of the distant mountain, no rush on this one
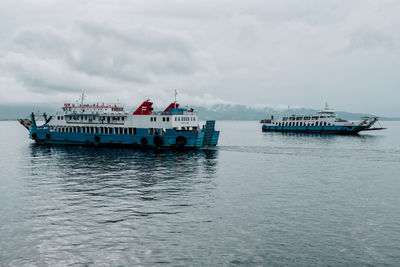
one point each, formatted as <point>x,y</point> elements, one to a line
<point>216,112</point>
<point>243,112</point>
<point>13,112</point>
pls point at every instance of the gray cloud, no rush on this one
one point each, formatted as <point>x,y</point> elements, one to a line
<point>53,59</point>
<point>249,52</point>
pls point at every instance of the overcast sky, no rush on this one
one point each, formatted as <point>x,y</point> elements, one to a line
<point>297,53</point>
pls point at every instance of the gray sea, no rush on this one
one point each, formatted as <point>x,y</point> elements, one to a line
<point>268,199</point>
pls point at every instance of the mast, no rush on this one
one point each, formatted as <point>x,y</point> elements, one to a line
<point>175,98</point>
<point>82,98</point>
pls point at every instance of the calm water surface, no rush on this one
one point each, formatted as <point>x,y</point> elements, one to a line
<point>258,199</point>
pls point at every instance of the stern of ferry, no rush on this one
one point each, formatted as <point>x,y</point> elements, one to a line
<point>208,136</point>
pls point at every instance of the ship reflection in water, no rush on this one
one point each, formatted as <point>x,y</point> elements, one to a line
<point>103,206</point>
<point>125,173</point>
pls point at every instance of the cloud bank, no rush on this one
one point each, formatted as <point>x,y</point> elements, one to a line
<point>261,53</point>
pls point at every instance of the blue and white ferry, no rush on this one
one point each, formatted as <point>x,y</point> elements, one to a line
<point>324,122</point>
<point>111,125</point>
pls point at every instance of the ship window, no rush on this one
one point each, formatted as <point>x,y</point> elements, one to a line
<point>134,130</point>
<point>284,119</point>
<point>122,118</point>
<point>155,119</point>
<point>325,123</point>
<point>125,131</point>
<point>130,130</point>
<point>163,119</point>
<point>167,118</point>
<point>151,118</point>
<point>299,118</point>
<point>116,130</point>
<point>179,119</point>
<point>105,130</point>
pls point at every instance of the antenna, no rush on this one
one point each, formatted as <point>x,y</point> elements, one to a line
<point>326,105</point>
<point>82,97</point>
<point>176,93</point>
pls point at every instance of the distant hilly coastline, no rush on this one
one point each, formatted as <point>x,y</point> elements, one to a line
<point>217,112</point>
<point>243,112</point>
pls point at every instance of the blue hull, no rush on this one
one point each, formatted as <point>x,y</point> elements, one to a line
<point>208,137</point>
<point>344,130</point>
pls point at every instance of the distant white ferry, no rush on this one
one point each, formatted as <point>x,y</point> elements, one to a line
<point>325,121</point>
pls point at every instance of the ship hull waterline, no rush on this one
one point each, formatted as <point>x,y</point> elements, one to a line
<point>176,140</point>
<point>317,130</point>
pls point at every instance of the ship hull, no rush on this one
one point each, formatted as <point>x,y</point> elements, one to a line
<point>171,139</point>
<point>340,130</point>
